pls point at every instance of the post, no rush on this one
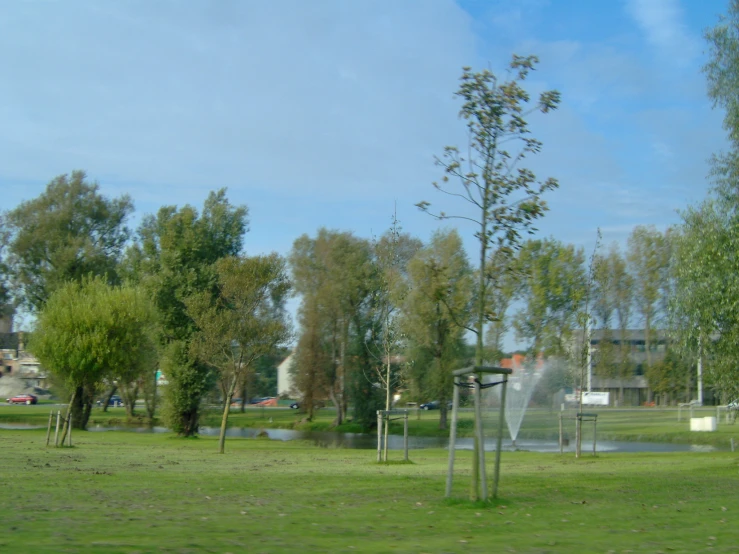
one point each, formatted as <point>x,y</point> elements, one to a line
<point>56,432</point>
<point>480,439</point>
<point>700,373</point>
<point>499,444</point>
<point>70,429</point>
<point>578,430</point>
<point>452,436</point>
<point>48,429</point>
<point>405,435</point>
<point>595,422</point>
<point>379,436</point>
<point>561,437</point>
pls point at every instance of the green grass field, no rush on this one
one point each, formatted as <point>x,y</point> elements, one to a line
<point>128,492</point>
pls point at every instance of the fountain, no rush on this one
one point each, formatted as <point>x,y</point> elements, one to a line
<point>521,386</point>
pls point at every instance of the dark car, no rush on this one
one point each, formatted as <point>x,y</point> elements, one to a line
<point>434,405</point>
<point>23,399</point>
<point>295,405</point>
<point>114,401</point>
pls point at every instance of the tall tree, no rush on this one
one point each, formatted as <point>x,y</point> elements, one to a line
<point>507,198</point>
<point>334,273</point>
<point>648,257</point>
<point>68,232</point>
<point>501,293</point>
<point>174,259</point>
<point>553,293</point>
<point>437,311</point>
<point>242,322</point>
<point>87,331</point>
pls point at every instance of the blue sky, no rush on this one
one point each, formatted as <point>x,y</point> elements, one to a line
<point>329,112</point>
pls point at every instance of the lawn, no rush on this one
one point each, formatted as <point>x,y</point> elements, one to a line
<point>128,492</point>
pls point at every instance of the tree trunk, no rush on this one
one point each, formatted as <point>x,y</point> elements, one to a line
<point>335,400</point>
<point>224,419</point>
<point>108,396</point>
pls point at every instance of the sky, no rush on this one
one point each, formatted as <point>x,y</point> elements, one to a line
<point>328,113</point>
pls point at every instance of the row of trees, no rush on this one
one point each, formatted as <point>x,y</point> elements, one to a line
<point>111,307</point>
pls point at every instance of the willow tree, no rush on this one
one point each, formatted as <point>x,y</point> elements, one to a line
<point>505,198</point>
<point>88,330</point>
<point>242,322</point>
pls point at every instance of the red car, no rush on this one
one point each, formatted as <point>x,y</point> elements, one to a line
<point>23,399</point>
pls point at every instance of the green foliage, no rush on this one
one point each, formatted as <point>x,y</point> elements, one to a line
<point>337,278</point>
<point>553,293</point>
<point>436,314</point>
<point>68,232</point>
<point>89,331</point>
<point>507,197</point>
<point>189,382</point>
<point>174,259</point>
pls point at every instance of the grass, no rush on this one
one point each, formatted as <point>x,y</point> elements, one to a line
<point>127,492</point>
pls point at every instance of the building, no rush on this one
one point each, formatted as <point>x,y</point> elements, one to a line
<point>634,385</point>
<point>19,367</point>
<point>285,378</point>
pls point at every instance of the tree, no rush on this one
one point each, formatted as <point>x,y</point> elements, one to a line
<point>337,279</point>
<point>87,331</point>
<point>174,259</point>
<point>436,312</point>
<point>242,322</point>
<point>501,293</point>
<point>553,293</point>
<point>705,309</point>
<point>391,256</point>
<point>648,257</point>
<point>507,198</point>
<point>68,232</point>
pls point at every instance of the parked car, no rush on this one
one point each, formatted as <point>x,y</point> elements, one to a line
<point>23,399</point>
<point>114,401</point>
<point>734,405</point>
<point>295,405</point>
<point>434,405</point>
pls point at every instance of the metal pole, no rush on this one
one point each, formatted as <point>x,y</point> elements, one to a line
<point>561,438</point>
<point>452,437</point>
<point>480,441</point>
<point>48,429</point>
<point>379,436</point>
<point>595,422</point>
<point>56,432</point>
<point>499,445</point>
<point>405,435</point>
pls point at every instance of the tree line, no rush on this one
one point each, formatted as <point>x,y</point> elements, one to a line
<point>376,315</point>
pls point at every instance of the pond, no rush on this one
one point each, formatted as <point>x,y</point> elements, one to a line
<point>327,439</point>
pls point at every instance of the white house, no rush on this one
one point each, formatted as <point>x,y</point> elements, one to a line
<point>285,379</point>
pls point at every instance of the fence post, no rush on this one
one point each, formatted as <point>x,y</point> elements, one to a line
<point>48,429</point>
<point>379,436</point>
<point>56,431</point>
<point>405,435</point>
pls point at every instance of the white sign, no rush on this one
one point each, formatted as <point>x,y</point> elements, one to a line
<point>595,398</point>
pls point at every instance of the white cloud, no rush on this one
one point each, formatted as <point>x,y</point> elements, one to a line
<point>662,22</point>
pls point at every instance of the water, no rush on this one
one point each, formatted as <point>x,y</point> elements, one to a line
<point>521,386</point>
<point>395,442</point>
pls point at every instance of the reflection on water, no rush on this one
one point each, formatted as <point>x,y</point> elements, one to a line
<point>395,442</point>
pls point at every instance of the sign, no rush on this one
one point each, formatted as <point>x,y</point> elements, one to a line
<point>595,398</point>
